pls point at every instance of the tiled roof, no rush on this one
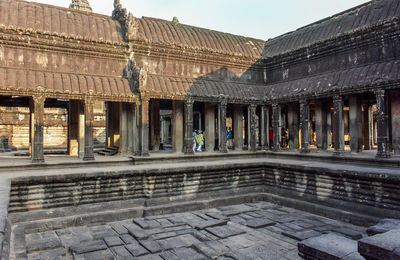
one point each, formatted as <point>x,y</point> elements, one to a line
<point>162,31</point>
<point>171,86</point>
<point>28,81</point>
<point>58,21</point>
<point>354,19</point>
<point>338,81</point>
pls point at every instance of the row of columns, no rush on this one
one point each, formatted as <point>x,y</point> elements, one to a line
<point>80,128</point>
<point>324,124</point>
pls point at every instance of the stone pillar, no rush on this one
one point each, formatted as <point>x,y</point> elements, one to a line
<point>137,123</point>
<point>304,126</point>
<point>113,123</point>
<point>322,112</point>
<point>89,119</point>
<point>395,103</point>
<point>338,124</point>
<point>355,117</point>
<point>155,125</point>
<point>367,141</point>
<point>222,125</point>
<point>74,111</point>
<point>238,127</point>
<point>36,128</point>
<point>177,126</point>
<point>293,124</point>
<point>382,123</point>
<point>265,127</point>
<point>209,110</point>
<point>188,149</point>
<point>252,127</point>
<point>131,128</point>
<point>276,126</point>
<point>123,126</point>
<point>144,127</point>
<point>329,126</point>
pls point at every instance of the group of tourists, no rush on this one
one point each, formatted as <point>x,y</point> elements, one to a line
<point>198,140</point>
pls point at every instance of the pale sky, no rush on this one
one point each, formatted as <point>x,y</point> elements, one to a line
<point>261,19</point>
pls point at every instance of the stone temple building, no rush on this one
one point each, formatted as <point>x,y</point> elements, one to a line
<point>86,83</point>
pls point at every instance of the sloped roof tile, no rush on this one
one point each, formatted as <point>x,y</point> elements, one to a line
<point>57,20</point>
<point>342,80</point>
<point>162,31</point>
<point>357,18</point>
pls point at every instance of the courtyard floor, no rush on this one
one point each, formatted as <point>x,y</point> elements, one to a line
<point>247,231</point>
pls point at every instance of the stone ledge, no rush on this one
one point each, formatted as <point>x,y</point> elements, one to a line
<point>381,246</point>
<point>328,247</point>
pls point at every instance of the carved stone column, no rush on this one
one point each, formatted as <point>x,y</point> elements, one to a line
<point>265,127</point>
<point>222,125</point>
<point>338,124</point>
<point>188,149</point>
<point>144,126</point>
<point>252,127</point>
<point>123,129</point>
<point>155,125</point>
<point>355,117</point>
<point>293,124</point>
<point>276,126</point>
<point>36,128</point>
<point>209,121</point>
<point>131,128</point>
<point>304,126</point>
<point>321,124</point>
<point>177,126</point>
<point>89,119</point>
<point>382,123</point>
<point>396,121</point>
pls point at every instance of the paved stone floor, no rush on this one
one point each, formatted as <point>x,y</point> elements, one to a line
<point>246,231</point>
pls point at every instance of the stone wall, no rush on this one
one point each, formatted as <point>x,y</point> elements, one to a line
<point>358,195</point>
<point>14,125</point>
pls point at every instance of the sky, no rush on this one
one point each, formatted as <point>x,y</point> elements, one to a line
<point>261,19</point>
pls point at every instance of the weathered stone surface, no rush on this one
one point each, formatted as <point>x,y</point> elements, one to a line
<point>113,241</point>
<point>89,247</point>
<point>136,250</point>
<point>101,254</point>
<point>57,253</point>
<point>210,223</point>
<point>151,245</point>
<point>224,231</point>
<point>179,241</point>
<point>42,244</point>
<point>128,239</point>
<point>352,234</point>
<point>328,246</point>
<point>381,246</point>
<point>301,235</point>
<point>383,226</point>
<point>259,223</point>
<point>182,253</point>
<point>122,253</point>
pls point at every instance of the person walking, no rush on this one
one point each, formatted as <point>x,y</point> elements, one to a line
<point>200,140</point>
